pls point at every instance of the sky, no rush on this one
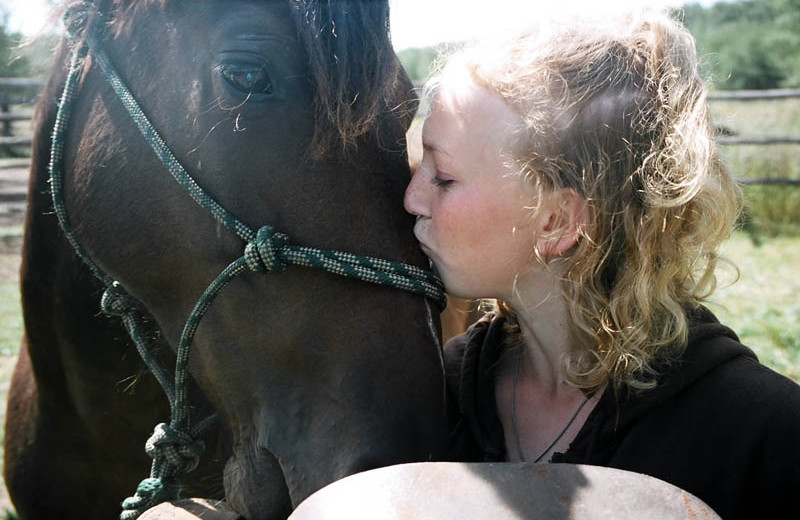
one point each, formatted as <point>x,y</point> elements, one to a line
<point>26,16</point>
<point>415,23</point>
<point>419,23</point>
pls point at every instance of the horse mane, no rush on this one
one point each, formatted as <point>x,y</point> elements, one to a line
<point>357,76</point>
<point>360,89</point>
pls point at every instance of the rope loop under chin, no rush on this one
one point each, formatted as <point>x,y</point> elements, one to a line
<point>178,447</point>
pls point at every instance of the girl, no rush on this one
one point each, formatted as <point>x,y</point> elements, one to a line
<point>569,175</point>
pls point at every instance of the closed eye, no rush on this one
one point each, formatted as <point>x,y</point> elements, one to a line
<point>442,183</point>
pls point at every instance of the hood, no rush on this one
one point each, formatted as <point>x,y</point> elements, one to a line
<point>710,346</point>
<point>471,360</point>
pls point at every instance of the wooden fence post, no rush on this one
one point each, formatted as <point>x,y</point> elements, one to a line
<point>5,110</point>
<point>16,92</point>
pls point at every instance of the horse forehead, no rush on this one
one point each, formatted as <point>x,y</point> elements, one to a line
<point>244,17</point>
<point>214,18</point>
<point>258,16</point>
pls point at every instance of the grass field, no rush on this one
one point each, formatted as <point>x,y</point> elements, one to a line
<point>763,306</point>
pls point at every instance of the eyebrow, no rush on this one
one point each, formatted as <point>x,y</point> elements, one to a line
<point>433,147</point>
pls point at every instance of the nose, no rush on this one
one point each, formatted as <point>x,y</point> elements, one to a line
<point>415,200</point>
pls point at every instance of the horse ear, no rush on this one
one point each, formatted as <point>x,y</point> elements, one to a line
<point>562,221</point>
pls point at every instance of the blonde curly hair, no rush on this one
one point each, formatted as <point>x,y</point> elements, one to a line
<point>616,110</point>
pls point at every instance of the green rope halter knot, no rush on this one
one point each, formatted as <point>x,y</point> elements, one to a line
<point>173,446</point>
<point>149,493</point>
<point>266,253</point>
<point>178,447</point>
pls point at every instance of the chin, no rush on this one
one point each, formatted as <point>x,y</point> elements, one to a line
<point>454,290</point>
<point>449,287</point>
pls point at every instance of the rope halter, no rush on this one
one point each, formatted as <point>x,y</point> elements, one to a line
<point>267,253</point>
<point>178,447</point>
<point>173,446</point>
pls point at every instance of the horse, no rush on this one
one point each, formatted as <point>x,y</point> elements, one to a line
<point>291,114</point>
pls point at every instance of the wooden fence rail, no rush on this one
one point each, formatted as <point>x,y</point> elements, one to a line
<point>15,141</point>
<point>16,92</point>
<point>754,95</point>
<point>21,83</point>
<point>736,140</point>
<point>23,91</point>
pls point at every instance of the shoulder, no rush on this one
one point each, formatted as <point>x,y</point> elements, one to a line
<point>716,387</point>
<point>716,367</point>
<point>715,358</point>
<point>752,414</point>
<point>722,385</point>
<point>754,392</point>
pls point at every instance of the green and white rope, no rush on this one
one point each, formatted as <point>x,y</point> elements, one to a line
<point>368,269</point>
<point>174,447</point>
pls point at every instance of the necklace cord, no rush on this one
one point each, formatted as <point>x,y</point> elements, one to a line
<point>520,452</point>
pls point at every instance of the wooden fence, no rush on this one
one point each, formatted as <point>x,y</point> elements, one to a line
<point>19,94</point>
<point>22,93</point>
<point>737,140</point>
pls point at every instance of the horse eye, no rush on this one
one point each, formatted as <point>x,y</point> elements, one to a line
<point>250,80</point>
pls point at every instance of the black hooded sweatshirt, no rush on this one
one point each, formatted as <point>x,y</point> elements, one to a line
<point>718,424</point>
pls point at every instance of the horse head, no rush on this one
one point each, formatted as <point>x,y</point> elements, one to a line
<point>289,114</point>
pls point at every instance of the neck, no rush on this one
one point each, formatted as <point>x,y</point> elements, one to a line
<point>544,321</point>
<point>541,413</point>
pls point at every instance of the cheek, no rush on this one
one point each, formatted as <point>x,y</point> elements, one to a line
<point>458,220</point>
<point>467,230</point>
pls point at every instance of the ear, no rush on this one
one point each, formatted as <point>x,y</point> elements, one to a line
<point>562,222</point>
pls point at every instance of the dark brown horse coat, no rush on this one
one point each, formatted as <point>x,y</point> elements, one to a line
<point>290,113</point>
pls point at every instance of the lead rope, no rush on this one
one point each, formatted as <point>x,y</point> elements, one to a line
<point>174,448</point>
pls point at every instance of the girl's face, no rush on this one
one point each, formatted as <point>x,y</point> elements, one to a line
<point>470,202</point>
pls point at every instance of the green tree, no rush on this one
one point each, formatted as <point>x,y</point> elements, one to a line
<point>751,44</point>
<point>418,62</point>
<point>12,61</point>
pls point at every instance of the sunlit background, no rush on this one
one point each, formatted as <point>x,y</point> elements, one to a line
<point>747,48</point>
<point>25,16</point>
<point>744,45</point>
<point>418,23</point>
<point>415,23</point>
